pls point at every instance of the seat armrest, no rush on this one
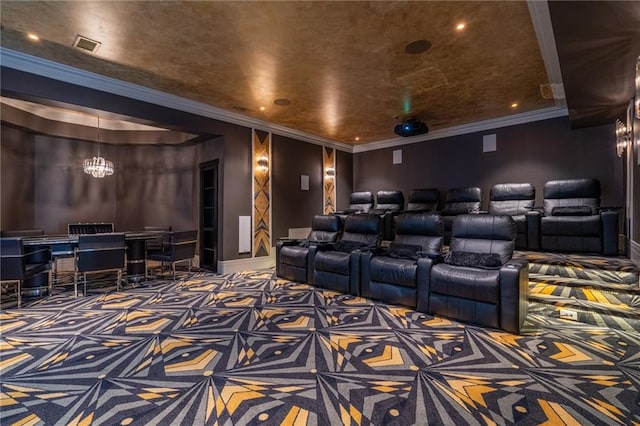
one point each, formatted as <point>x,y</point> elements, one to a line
<point>423,282</point>
<point>365,273</point>
<point>514,294</point>
<point>311,262</point>
<point>609,232</point>
<point>533,218</point>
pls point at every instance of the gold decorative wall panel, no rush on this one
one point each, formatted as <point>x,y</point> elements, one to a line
<point>329,177</point>
<point>261,193</point>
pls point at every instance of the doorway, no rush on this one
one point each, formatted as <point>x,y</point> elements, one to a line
<point>209,215</point>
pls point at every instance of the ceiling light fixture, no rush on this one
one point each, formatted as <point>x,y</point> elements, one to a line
<point>514,105</point>
<point>33,37</point>
<point>417,46</point>
<point>461,26</point>
<point>262,108</point>
<point>282,102</point>
<point>98,167</point>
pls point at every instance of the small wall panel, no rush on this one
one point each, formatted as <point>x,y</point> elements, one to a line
<point>261,194</point>
<point>329,192</point>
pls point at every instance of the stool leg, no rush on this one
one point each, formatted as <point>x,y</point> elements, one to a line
<point>19,294</point>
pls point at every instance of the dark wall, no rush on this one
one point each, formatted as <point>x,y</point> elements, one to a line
<point>344,179</point>
<point>63,192</point>
<point>533,152</point>
<point>17,179</point>
<point>292,207</point>
<point>635,146</point>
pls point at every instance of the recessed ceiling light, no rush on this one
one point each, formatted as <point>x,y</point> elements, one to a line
<point>357,138</point>
<point>33,37</point>
<point>514,105</point>
<point>282,102</point>
<point>262,108</point>
<point>417,46</point>
<point>461,26</point>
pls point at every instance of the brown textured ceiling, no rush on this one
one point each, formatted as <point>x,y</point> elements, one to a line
<point>342,64</point>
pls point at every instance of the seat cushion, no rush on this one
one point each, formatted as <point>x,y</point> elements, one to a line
<point>585,226</point>
<point>470,283</point>
<point>294,255</point>
<point>333,261</point>
<point>400,272</point>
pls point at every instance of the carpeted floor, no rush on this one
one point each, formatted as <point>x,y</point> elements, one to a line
<point>252,349</point>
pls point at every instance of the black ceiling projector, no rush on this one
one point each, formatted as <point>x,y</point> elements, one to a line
<point>411,127</point>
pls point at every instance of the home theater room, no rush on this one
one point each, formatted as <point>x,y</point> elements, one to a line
<point>320,212</point>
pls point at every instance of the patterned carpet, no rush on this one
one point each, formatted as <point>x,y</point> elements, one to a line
<point>248,348</point>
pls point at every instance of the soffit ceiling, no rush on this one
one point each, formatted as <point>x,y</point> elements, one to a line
<point>342,65</point>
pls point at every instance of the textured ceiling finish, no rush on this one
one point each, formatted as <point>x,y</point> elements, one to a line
<point>341,64</point>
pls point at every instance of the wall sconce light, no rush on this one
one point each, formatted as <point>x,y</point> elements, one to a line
<point>330,173</point>
<point>263,163</point>
<point>622,137</point>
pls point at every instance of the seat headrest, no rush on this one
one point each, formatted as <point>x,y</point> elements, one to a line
<point>572,188</point>
<point>427,224</point>
<point>328,223</point>
<point>464,195</point>
<point>428,195</point>
<point>484,226</point>
<point>390,197</point>
<point>361,197</point>
<point>512,191</point>
<point>363,224</point>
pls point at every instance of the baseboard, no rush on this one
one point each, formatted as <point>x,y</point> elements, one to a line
<point>248,264</point>
<point>635,252</point>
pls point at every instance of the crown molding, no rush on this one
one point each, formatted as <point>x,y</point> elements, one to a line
<point>65,73</point>
<point>478,126</point>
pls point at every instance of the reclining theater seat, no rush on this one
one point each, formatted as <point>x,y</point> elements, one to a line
<point>515,200</point>
<point>359,202</point>
<point>572,220</point>
<point>399,275</point>
<point>423,200</point>
<point>478,281</point>
<point>459,201</point>
<point>387,205</point>
<point>292,256</point>
<point>337,266</point>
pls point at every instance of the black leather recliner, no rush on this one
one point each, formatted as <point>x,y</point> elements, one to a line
<point>387,205</point>
<point>398,274</point>
<point>423,200</point>
<point>292,256</point>
<point>515,200</point>
<point>359,202</point>
<point>478,281</point>
<point>337,266</point>
<point>459,201</point>
<point>572,219</point>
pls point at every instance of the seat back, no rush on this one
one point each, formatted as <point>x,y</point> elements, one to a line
<point>363,228</point>
<point>324,228</point>
<point>512,198</point>
<point>12,259</point>
<point>362,201</point>
<point>421,229</point>
<point>462,201</point>
<point>389,201</point>
<point>183,245</point>
<point>22,233</point>
<point>484,234</point>
<point>572,193</point>
<point>426,199</point>
<point>99,252</point>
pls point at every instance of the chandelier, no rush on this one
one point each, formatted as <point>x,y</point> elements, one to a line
<point>98,167</point>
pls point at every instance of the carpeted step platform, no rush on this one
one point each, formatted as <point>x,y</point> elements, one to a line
<point>596,290</point>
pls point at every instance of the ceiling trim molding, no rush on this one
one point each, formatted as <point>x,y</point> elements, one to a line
<point>478,126</point>
<point>50,69</point>
<point>54,70</point>
<point>541,20</point>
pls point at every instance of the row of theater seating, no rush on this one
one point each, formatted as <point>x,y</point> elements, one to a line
<point>477,280</point>
<point>570,220</point>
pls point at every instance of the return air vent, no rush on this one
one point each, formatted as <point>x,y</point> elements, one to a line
<point>84,43</point>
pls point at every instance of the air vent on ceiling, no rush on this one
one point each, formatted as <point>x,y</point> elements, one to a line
<point>84,43</point>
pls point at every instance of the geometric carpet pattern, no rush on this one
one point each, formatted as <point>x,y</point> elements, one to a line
<point>248,349</point>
